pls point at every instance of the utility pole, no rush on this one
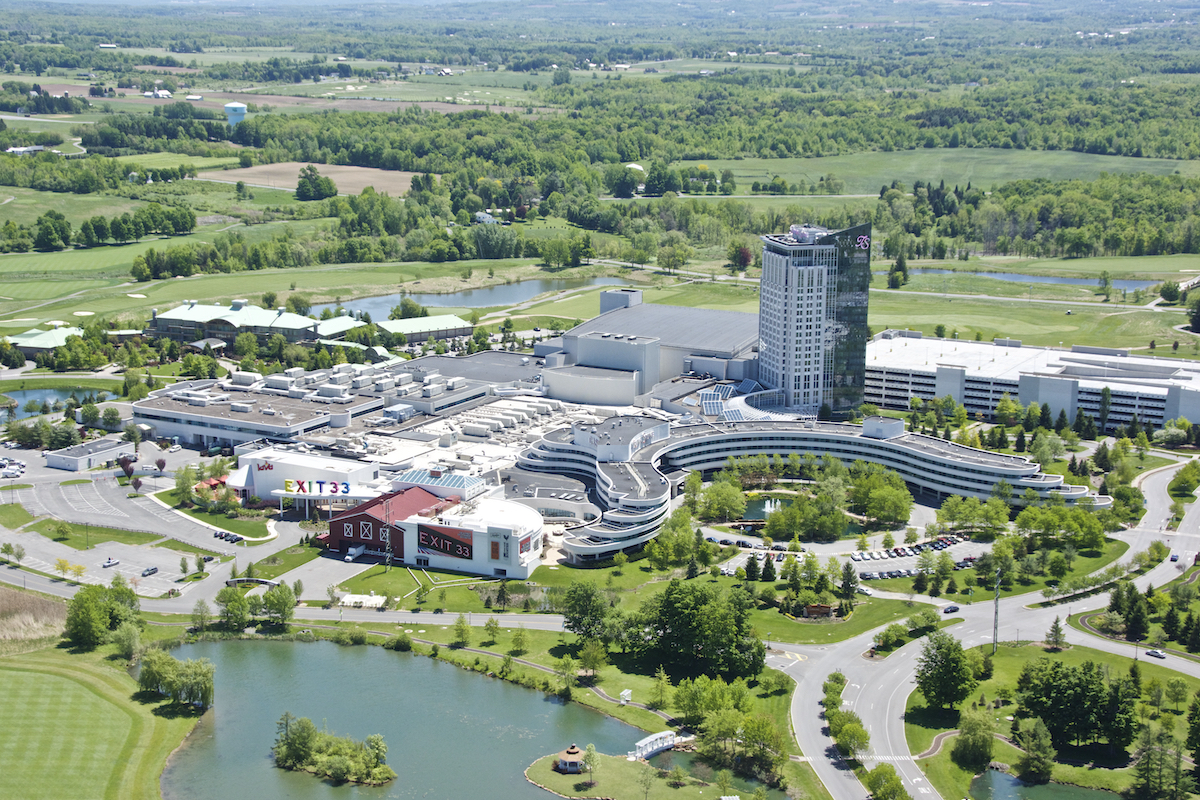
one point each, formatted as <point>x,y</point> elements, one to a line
<point>996,618</point>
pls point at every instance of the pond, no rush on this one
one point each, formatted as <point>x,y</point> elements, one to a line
<point>450,732</point>
<point>1015,277</point>
<point>23,396</point>
<point>760,507</point>
<point>995,785</point>
<point>499,295</point>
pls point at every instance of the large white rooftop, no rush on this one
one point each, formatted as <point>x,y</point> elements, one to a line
<point>1092,367</point>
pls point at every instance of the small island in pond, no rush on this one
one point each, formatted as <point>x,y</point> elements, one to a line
<point>301,746</point>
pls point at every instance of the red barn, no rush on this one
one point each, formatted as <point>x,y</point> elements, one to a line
<point>371,523</point>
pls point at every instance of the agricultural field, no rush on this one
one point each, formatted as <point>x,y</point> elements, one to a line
<point>865,173</point>
<point>349,180</point>
<point>24,206</point>
<point>163,160</point>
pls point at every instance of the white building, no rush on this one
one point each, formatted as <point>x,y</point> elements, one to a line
<point>813,317</point>
<point>903,364</point>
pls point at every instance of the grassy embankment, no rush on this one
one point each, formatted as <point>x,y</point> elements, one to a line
<point>250,528</point>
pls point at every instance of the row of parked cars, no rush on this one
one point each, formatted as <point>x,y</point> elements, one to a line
<point>229,537</point>
<point>966,563</point>
<point>11,468</point>
<point>901,552</point>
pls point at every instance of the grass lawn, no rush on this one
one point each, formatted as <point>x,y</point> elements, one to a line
<point>74,726</point>
<point>274,566</point>
<point>1087,562</point>
<point>29,204</point>
<point>83,535</point>
<point>617,777</point>
<point>1033,323</point>
<point>1156,620</point>
<point>251,528</point>
<point>14,515</point>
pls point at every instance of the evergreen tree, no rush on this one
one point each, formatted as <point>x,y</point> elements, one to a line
<point>1193,640</point>
<point>1020,445</point>
<point>1137,624</point>
<point>1055,636</point>
<point>1185,628</point>
<point>752,566</point>
<point>1171,623</point>
<point>768,571</point>
<point>1046,420</point>
<point>1061,424</point>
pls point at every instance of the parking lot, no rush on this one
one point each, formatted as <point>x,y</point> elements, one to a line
<point>871,561</point>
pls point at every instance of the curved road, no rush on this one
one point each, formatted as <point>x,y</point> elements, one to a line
<point>878,690</point>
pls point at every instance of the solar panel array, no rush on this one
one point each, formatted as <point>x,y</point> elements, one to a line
<point>748,386</point>
<point>733,415</point>
<point>711,408</point>
<point>724,390</point>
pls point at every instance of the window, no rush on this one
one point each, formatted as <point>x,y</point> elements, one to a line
<point>364,530</point>
<point>422,561</point>
<point>348,530</point>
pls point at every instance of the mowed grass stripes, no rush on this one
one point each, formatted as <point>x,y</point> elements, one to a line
<point>71,728</point>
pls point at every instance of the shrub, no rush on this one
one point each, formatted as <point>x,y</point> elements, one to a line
<point>400,643</point>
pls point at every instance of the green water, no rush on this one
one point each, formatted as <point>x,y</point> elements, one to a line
<point>993,785</point>
<point>760,507</point>
<point>450,733</point>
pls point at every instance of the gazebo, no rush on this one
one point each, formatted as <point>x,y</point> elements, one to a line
<point>570,760</point>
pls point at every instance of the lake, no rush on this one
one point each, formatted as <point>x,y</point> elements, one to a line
<point>499,295</point>
<point>995,785</point>
<point>23,396</point>
<point>1016,277</point>
<point>450,733</point>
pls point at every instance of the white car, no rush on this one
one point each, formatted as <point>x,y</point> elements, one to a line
<point>1156,653</point>
<point>884,554</point>
<point>856,556</point>
<point>175,448</point>
<point>111,562</point>
<point>865,590</point>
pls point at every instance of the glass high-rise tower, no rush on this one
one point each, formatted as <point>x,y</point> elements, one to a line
<point>812,323</point>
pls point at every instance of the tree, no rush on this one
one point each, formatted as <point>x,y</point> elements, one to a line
<point>128,639</point>
<point>885,784</point>
<point>519,641</point>
<point>1055,637</point>
<point>1177,691</point>
<point>183,565</point>
<point>87,617</point>
<point>584,609</point>
<point>234,609</point>
<point>280,603</point>
<point>591,761</point>
<point>61,565</point>
<point>1037,762</point>
<point>973,746</point>
<point>853,740</point>
<point>660,694</point>
<point>567,670</point>
<point>944,675</point>
<point>312,186</point>
<point>724,501</point>
<point>462,631</point>
<point>645,780</point>
<point>593,656</point>
<point>133,435</point>
<point>201,615</point>
<point>18,553</point>
<point>77,571</point>
<point>492,628</point>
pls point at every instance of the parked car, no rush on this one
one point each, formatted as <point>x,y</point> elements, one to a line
<point>712,539</point>
<point>950,610</point>
<point>856,556</point>
<point>779,556</point>
<point>149,571</point>
<point>743,543</point>
<point>175,448</point>
<point>208,558</point>
<point>111,562</point>
<point>1174,556</point>
<point>780,547</point>
<point>865,590</point>
<point>1156,653</point>
<point>725,543</point>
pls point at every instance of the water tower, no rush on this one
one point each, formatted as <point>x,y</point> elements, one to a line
<point>235,112</point>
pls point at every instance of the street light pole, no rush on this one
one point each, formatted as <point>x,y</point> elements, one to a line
<point>996,618</point>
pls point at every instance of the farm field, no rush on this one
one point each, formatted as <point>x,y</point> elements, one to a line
<point>26,205</point>
<point>865,173</point>
<point>349,180</point>
<point>161,160</point>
